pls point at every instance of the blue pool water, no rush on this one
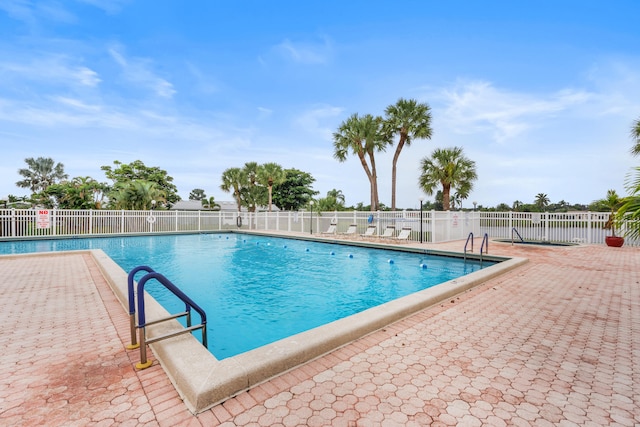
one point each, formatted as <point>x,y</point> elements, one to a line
<point>256,290</point>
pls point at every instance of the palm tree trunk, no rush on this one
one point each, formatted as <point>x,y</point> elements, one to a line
<point>375,203</point>
<point>446,197</point>
<point>393,172</point>
<point>372,179</point>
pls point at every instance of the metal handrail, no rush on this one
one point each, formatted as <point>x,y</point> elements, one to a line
<point>470,236</point>
<point>513,230</point>
<point>132,303</point>
<point>142,323</point>
<point>485,243</point>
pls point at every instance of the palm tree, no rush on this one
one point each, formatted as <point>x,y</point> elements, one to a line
<point>363,137</point>
<point>629,210</point>
<point>337,195</point>
<point>210,203</point>
<point>612,202</point>
<point>410,120</point>
<point>542,201</point>
<point>449,168</point>
<point>252,194</point>
<point>79,193</point>
<point>270,174</point>
<point>234,180</point>
<point>137,194</point>
<point>41,173</point>
<point>635,135</point>
<point>516,205</point>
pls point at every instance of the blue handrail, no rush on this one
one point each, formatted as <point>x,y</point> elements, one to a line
<point>513,230</point>
<point>132,303</point>
<point>485,243</point>
<point>469,237</point>
<point>189,303</point>
<point>142,321</point>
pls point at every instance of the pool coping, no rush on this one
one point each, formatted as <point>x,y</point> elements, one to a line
<point>203,381</point>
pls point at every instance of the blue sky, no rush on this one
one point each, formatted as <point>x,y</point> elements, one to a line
<point>540,94</point>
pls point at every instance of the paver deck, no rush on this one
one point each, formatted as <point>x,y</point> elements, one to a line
<point>554,342</point>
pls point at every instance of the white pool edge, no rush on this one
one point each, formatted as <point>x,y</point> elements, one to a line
<point>202,381</point>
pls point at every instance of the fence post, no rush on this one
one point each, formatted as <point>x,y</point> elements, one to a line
<point>546,226</point>
<point>54,221</point>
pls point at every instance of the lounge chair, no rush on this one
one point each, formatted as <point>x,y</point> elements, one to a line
<point>351,231</point>
<point>371,231</point>
<point>389,232</point>
<point>331,229</point>
<point>404,234</point>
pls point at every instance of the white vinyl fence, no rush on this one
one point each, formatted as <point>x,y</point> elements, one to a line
<point>426,226</point>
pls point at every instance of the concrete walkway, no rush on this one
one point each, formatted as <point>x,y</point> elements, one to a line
<point>555,342</point>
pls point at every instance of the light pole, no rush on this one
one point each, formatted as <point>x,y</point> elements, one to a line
<point>421,219</point>
<point>311,224</point>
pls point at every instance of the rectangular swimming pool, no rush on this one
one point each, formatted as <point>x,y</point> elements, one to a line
<point>257,289</point>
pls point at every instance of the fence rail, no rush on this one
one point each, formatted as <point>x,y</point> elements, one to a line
<point>426,226</point>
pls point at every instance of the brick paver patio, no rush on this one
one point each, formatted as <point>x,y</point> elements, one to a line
<point>555,342</point>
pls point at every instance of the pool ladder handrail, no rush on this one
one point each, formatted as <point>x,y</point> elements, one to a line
<point>484,244</point>
<point>513,230</point>
<point>142,323</point>
<point>469,238</point>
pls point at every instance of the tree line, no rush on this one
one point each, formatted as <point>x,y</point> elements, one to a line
<point>447,172</point>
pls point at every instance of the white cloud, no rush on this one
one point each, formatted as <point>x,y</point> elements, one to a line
<point>264,113</point>
<point>305,53</point>
<point>51,69</point>
<point>479,106</point>
<point>137,71</point>
<point>318,120</point>
<point>109,6</point>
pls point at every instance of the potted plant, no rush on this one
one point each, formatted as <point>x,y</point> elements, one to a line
<point>613,202</point>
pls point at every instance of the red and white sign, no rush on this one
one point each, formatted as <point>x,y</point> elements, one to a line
<point>44,218</point>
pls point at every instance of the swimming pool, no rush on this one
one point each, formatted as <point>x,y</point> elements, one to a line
<point>256,289</point>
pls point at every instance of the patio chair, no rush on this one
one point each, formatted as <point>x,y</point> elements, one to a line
<point>331,229</point>
<point>389,232</point>
<point>404,234</point>
<point>371,231</point>
<point>351,231</point>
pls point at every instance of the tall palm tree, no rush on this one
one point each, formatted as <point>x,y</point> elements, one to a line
<point>449,168</point>
<point>270,174</point>
<point>252,194</point>
<point>410,120</point>
<point>234,180</point>
<point>362,136</point>
<point>635,135</point>
<point>542,201</point>
<point>41,173</point>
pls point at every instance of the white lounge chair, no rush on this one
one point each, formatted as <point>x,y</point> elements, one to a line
<point>371,231</point>
<point>331,229</point>
<point>389,232</point>
<point>351,231</point>
<point>404,234</point>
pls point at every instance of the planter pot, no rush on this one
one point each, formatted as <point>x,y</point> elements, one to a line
<point>614,241</point>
